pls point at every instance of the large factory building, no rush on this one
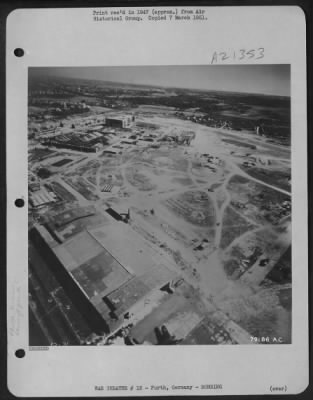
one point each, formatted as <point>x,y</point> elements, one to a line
<point>119,121</point>
<point>93,258</point>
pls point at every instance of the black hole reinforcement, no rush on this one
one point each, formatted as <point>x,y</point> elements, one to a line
<point>18,52</point>
<point>19,203</point>
<point>20,353</point>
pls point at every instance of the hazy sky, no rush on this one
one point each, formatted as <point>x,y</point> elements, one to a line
<point>266,79</point>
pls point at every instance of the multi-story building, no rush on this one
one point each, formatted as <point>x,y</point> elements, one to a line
<point>119,121</point>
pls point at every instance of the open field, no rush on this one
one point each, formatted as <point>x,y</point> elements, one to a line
<point>233,226</point>
<point>277,177</point>
<point>281,273</point>
<point>195,207</point>
<point>259,203</point>
<point>140,179</point>
<point>259,313</point>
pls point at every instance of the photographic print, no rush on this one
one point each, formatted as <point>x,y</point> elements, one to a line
<point>159,205</point>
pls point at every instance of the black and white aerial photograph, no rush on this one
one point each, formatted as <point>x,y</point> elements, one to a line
<point>159,205</point>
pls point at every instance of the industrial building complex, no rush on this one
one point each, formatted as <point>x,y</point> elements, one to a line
<point>153,221</point>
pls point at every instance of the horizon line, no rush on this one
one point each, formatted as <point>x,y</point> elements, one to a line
<point>154,85</point>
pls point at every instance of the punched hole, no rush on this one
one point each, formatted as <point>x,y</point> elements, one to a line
<point>19,203</point>
<point>20,353</point>
<point>18,52</point>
